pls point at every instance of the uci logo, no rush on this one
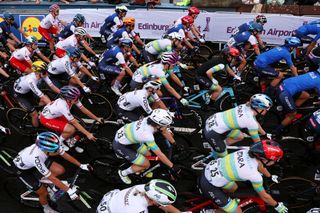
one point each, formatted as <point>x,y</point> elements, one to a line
<point>30,26</point>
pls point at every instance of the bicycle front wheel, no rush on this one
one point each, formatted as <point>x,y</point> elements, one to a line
<point>98,105</point>
<point>20,120</point>
<point>187,122</point>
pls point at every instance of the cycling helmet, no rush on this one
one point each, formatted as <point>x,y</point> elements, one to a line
<point>161,117</point>
<point>80,31</point>
<point>193,11</point>
<point>8,16</point>
<point>70,92</point>
<point>314,122</point>
<point>31,40</point>
<point>152,84</point>
<point>129,21</point>
<point>261,19</point>
<point>255,27</point>
<point>54,7</point>
<point>314,55</point>
<point>121,8</point>
<point>266,150</point>
<point>231,51</point>
<point>260,101</point>
<point>48,141</point>
<point>292,42</point>
<point>175,35</point>
<point>39,67</point>
<point>161,192</point>
<point>79,17</point>
<point>73,52</point>
<point>187,20</point>
<point>169,58</point>
<point>126,42</point>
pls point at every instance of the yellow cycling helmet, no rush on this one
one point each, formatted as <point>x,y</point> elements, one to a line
<point>129,21</point>
<point>39,67</point>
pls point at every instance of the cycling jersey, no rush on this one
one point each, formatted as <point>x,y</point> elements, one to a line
<point>32,156</point>
<point>130,200</point>
<point>114,38</point>
<point>48,26</point>
<point>59,108</point>
<point>111,24</point>
<point>157,47</point>
<point>216,60</point>
<point>178,29</point>
<point>63,65</point>
<point>146,71</point>
<point>111,60</point>
<point>244,27</point>
<point>240,39</point>
<point>67,31</point>
<point>3,39</point>
<point>24,54</point>
<point>28,83</point>
<point>274,55</point>
<point>134,99</point>
<point>6,28</point>
<point>313,28</point>
<point>71,41</point>
<point>138,132</point>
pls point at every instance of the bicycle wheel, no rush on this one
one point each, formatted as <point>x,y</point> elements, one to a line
<point>187,122</point>
<point>106,169</point>
<point>205,51</point>
<point>295,192</point>
<point>270,121</point>
<point>6,157</point>
<point>226,101</point>
<point>101,146</point>
<point>256,209</point>
<point>15,188</point>
<point>98,105</point>
<point>20,120</point>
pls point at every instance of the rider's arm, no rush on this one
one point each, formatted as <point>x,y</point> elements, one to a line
<point>2,72</point>
<point>133,60</point>
<point>76,79</point>
<point>14,38</point>
<point>123,63</point>
<point>134,47</point>
<point>71,159</point>
<point>214,69</point>
<point>58,183</point>
<point>43,57</point>
<point>294,70</point>
<point>176,79</point>
<point>138,39</point>
<point>87,112</point>
<point>163,157</point>
<point>261,130</point>
<point>287,58</point>
<point>170,209</point>
<point>127,69</point>
<point>254,135</point>
<point>85,58</point>
<point>195,31</point>
<point>168,135</point>
<point>172,91</point>
<point>189,45</point>
<point>230,71</point>
<point>87,47</point>
<point>84,70</point>
<point>76,124</point>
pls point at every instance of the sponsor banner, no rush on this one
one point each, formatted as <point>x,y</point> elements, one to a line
<point>29,24</point>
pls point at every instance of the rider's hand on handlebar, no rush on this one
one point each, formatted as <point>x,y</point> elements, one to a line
<point>184,102</point>
<point>86,89</point>
<point>91,64</point>
<point>275,178</point>
<point>86,167</point>
<point>174,172</point>
<point>95,78</point>
<point>100,120</point>
<point>72,192</point>
<point>281,208</point>
<point>91,137</point>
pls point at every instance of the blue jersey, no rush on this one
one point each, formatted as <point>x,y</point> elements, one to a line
<point>241,38</point>
<point>310,80</point>
<point>244,27</point>
<point>109,56</point>
<point>66,32</point>
<point>108,23</point>
<point>175,29</point>
<point>6,28</point>
<point>117,35</point>
<point>274,55</point>
<point>313,28</point>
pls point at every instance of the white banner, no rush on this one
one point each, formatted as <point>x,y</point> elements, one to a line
<point>218,26</point>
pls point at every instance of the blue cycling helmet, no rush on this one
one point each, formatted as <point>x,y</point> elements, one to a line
<point>73,52</point>
<point>292,42</point>
<point>79,17</point>
<point>70,92</point>
<point>127,42</point>
<point>254,26</point>
<point>31,40</point>
<point>48,142</point>
<point>7,16</point>
<point>260,101</point>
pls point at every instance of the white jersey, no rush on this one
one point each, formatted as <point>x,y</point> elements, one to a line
<point>130,200</point>
<point>157,47</point>
<point>32,156</point>
<point>237,166</point>
<point>71,41</point>
<point>62,65</point>
<point>118,23</point>
<point>138,98</point>
<point>24,54</point>
<point>150,70</point>
<point>30,82</point>
<point>59,108</point>
<point>49,21</point>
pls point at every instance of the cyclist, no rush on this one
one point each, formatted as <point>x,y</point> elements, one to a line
<point>113,22</point>
<point>159,70</point>
<point>138,198</point>
<point>245,40</point>
<point>64,69</point>
<point>68,30</point>
<point>57,116</point>
<point>292,93</point>
<point>155,48</point>
<point>224,127</point>
<point>11,39</point>
<point>217,63</point>
<point>264,61</point>
<point>26,87</point>
<point>21,58</point>
<point>36,159</point>
<point>4,43</point>
<point>129,105</point>
<point>125,32</point>
<point>220,175</point>
<point>260,19</point>
<point>133,141</point>
<point>304,32</point>
<point>113,62</point>
<point>49,25</point>
<point>74,41</point>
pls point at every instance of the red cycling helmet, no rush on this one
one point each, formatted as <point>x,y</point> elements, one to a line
<point>193,11</point>
<point>54,8</point>
<point>266,150</point>
<point>231,51</point>
<point>187,20</point>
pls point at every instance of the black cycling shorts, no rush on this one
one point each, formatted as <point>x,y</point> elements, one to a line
<point>216,140</point>
<point>26,101</point>
<point>128,116</point>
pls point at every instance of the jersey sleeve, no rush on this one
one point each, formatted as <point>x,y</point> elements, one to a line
<point>72,28</point>
<point>79,104</point>
<point>253,130</point>
<point>41,167</point>
<point>145,105</point>
<point>252,40</point>
<point>288,59</point>
<point>257,182</point>
<point>120,58</point>
<point>68,68</point>
<point>66,113</point>
<point>48,81</point>
<point>34,88</point>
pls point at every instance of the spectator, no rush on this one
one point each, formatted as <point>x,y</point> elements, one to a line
<point>275,2</point>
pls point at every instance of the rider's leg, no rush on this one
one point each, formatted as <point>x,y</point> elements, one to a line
<point>56,169</point>
<point>304,96</point>
<point>43,196</point>
<point>234,136</point>
<point>68,131</point>
<point>34,118</point>
<point>217,91</point>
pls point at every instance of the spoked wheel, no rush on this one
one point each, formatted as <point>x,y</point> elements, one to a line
<point>98,105</point>
<point>6,157</point>
<point>20,120</point>
<point>187,122</point>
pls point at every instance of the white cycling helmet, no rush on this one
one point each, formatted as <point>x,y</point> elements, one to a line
<point>80,31</point>
<point>260,101</point>
<point>161,117</point>
<point>121,8</point>
<point>161,192</point>
<point>152,84</point>
<point>175,35</point>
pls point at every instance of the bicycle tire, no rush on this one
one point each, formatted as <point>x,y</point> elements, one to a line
<point>226,102</point>
<point>270,121</point>
<point>294,192</point>
<point>98,105</point>
<point>256,209</point>
<point>205,51</point>
<point>20,120</point>
<point>6,157</point>
<point>188,122</point>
